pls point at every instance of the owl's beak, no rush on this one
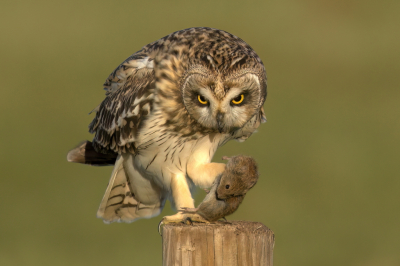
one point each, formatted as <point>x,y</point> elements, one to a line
<point>220,123</point>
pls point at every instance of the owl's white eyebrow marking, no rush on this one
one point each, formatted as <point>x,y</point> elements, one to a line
<point>248,75</point>
<point>255,78</point>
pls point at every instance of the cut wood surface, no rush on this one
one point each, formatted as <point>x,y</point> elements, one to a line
<point>230,243</point>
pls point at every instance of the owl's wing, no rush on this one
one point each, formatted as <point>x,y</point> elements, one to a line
<point>129,99</point>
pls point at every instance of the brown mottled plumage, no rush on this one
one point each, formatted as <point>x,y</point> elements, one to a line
<point>168,107</point>
<point>229,189</point>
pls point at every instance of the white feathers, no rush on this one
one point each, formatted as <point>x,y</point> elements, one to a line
<point>146,62</point>
<point>256,79</point>
<point>135,110</point>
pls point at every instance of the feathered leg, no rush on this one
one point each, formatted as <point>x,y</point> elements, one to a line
<point>121,204</point>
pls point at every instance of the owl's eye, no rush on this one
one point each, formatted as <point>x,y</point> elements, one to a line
<point>202,99</point>
<point>238,100</point>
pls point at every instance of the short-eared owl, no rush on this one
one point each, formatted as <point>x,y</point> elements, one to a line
<point>168,107</point>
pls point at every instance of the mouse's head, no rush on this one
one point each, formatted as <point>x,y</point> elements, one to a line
<point>240,175</point>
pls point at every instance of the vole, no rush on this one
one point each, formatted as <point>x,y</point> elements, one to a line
<point>228,189</point>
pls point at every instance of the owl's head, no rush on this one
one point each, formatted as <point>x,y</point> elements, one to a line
<point>208,80</point>
<point>222,103</point>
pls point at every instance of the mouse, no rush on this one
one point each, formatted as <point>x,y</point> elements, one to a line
<point>228,189</point>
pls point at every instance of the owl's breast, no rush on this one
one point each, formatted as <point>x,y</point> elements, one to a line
<point>161,154</point>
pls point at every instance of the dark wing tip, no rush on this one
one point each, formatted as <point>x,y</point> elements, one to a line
<point>85,153</point>
<point>77,154</point>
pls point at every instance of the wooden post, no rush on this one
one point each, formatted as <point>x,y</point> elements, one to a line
<point>229,244</point>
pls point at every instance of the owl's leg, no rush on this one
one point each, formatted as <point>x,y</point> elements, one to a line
<point>183,200</point>
<point>149,198</point>
<point>204,174</point>
<point>199,168</point>
<point>181,197</point>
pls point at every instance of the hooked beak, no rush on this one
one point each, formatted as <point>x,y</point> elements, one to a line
<point>220,122</point>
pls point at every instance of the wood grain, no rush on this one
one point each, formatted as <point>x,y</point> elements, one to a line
<point>230,244</point>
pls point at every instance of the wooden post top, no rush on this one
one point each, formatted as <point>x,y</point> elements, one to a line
<point>221,243</point>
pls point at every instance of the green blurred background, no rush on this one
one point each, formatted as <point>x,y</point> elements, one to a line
<point>328,155</point>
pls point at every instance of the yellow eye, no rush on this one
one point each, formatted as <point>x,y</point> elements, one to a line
<point>239,99</point>
<point>201,99</point>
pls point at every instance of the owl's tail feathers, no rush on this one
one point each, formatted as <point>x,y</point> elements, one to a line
<point>86,154</point>
<point>119,203</point>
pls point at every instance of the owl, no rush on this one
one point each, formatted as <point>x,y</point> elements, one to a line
<point>168,107</point>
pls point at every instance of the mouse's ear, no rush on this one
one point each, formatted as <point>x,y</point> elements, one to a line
<point>244,169</point>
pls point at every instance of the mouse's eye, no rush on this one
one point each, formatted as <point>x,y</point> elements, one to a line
<point>227,186</point>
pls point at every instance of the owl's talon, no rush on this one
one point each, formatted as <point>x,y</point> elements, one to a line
<point>159,227</point>
<point>188,221</point>
<point>137,206</point>
<point>181,217</point>
<point>224,221</point>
